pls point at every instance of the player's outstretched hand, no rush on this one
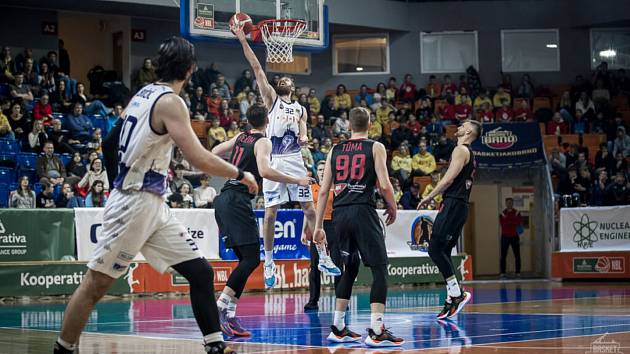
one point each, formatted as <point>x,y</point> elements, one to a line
<point>423,203</point>
<point>319,237</point>
<point>238,32</point>
<point>305,181</point>
<point>390,212</point>
<point>250,182</point>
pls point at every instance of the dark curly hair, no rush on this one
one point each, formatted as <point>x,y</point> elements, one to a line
<point>175,57</point>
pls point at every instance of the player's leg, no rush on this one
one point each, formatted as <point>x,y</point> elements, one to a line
<point>516,248</point>
<point>505,245</point>
<point>269,225</point>
<point>325,263</point>
<point>333,248</point>
<point>314,280</point>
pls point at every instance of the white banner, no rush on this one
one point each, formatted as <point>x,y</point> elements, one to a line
<point>409,236</point>
<point>200,223</point>
<point>595,229</point>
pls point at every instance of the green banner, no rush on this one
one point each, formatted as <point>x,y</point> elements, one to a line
<point>36,235</point>
<point>414,270</point>
<point>49,279</point>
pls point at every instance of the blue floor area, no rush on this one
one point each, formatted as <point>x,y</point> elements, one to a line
<point>279,318</point>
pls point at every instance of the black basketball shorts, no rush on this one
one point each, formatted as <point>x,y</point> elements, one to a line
<point>236,219</point>
<point>358,229</point>
<point>450,220</point>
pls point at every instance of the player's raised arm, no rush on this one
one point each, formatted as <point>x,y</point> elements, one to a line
<point>458,160</point>
<point>262,150</point>
<point>319,235</point>
<point>385,186</point>
<point>178,127</point>
<point>303,130</point>
<point>266,90</point>
<point>225,147</point>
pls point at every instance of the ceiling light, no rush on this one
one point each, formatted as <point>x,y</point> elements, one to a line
<point>608,53</point>
<point>551,45</point>
<point>359,68</point>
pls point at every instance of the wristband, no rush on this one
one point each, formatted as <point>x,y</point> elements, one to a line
<point>240,175</point>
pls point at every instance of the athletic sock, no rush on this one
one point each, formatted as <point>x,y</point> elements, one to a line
<point>452,287</point>
<point>376,323</point>
<point>268,257</point>
<point>213,337</point>
<point>224,301</point>
<point>231,310</point>
<point>321,251</point>
<point>340,320</point>
<point>66,345</point>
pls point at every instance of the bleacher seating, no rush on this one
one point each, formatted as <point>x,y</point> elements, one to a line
<point>4,195</point>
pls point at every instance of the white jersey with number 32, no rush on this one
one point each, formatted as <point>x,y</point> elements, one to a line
<point>284,127</point>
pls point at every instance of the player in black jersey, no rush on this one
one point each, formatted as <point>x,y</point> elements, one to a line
<point>455,188</point>
<point>250,152</point>
<point>356,167</point>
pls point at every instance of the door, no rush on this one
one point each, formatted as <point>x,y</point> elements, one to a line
<point>117,52</point>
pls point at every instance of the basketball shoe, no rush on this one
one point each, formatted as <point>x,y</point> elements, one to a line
<point>327,266</point>
<point>343,336</point>
<point>237,328</point>
<point>445,310</point>
<point>270,274</point>
<point>458,303</point>
<point>224,323</point>
<point>385,339</point>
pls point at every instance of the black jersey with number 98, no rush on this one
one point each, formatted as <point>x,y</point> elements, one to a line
<point>354,175</point>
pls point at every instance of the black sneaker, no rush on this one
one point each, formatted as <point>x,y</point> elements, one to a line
<point>218,348</point>
<point>385,339</point>
<point>458,303</point>
<point>311,306</point>
<point>343,336</point>
<point>60,349</point>
<point>445,311</point>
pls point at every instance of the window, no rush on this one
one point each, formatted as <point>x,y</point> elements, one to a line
<point>360,54</point>
<point>611,45</point>
<point>301,65</point>
<point>448,52</point>
<point>530,50</point>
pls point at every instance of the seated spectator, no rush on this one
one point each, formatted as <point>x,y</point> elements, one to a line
<point>342,100</point>
<point>599,125</point>
<point>621,143</point>
<point>243,94</point>
<point>506,83</point>
<point>402,164</point>
<point>435,178</point>
<point>583,184</point>
<point>598,189</point>
<point>398,192</point>
<point>37,137</point>
<point>400,135</point>
<point>567,185</point>
<point>179,179</point>
<point>146,75</point>
<point>481,99</point>
<point>411,198</point>
<point>501,96</point>
<point>414,126</point>
<point>95,173</point>
<point>22,92</point>
<point>423,162</point>
<point>246,103</point>
<point>114,116</point>
<point>326,146</point>
<point>313,102</point>
<point>317,154</point>
<point>424,110</point>
<point>79,125</point>
<point>23,197</point>
<point>565,107</point>
<point>33,79</point>
<point>523,113</point>
<point>60,138</point>
<point>485,114</point>
<point>557,162</point>
<point>303,101</point>
<point>198,104</point>
<point>216,133</point>
<point>604,159</point>
<point>391,91</point>
<point>375,132</point>
<point>463,110</point>
<point>407,91</point>
<point>50,169</point>
<point>43,111</point>
<point>187,198</point>
<point>175,201</point>
<point>526,88</point>
<point>364,95</point>
<point>601,94</point>
<point>61,101</point>
<point>90,105</point>
<point>449,88</point>
<point>504,114</point>
<point>463,83</point>
<point>214,102</point>
<point>6,65</point>
<point>586,105</point>
<point>434,87</point>
<point>46,80</point>
<point>580,124</point>
<point>259,203</point>
<point>342,125</point>
<point>76,168</point>
<point>462,96</point>
<point>225,114</point>
<point>618,193</point>
<point>442,151</point>
<point>620,163</point>
<point>232,131</point>
<point>222,86</point>
<point>45,198</point>
<point>557,125</point>
<point>382,112</point>
<point>67,199</point>
<point>246,80</point>
<point>434,129</point>
<point>18,121</point>
<point>328,109</point>
<point>320,131</point>
<point>96,198</point>
<point>204,194</point>
<point>447,112</point>
<point>5,127</point>
<point>571,153</point>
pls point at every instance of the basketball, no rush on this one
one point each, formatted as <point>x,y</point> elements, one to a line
<point>243,20</point>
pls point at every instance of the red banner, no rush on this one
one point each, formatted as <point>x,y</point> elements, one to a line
<point>590,265</point>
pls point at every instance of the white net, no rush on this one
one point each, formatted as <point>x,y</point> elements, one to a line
<point>279,36</point>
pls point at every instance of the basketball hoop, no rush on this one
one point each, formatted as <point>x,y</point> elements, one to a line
<point>279,36</point>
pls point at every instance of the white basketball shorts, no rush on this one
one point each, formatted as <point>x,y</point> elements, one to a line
<point>140,222</point>
<point>277,193</point>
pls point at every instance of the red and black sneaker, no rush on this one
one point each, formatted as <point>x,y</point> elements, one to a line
<point>343,336</point>
<point>458,303</point>
<point>385,339</point>
<point>445,311</point>
<point>224,323</point>
<point>237,328</point>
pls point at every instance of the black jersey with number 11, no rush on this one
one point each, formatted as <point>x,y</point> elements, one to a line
<point>354,175</point>
<point>244,158</point>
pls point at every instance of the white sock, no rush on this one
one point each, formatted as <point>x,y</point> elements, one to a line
<point>224,301</point>
<point>66,344</point>
<point>376,323</point>
<point>268,257</point>
<point>321,251</point>
<point>231,309</point>
<point>452,287</point>
<point>213,337</point>
<point>340,320</point>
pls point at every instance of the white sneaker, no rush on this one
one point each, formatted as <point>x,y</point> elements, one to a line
<point>270,274</point>
<point>327,266</point>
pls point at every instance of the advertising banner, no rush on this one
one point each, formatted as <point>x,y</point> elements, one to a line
<point>593,265</point>
<point>201,225</point>
<point>595,229</point>
<point>36,235</point>
<point>509,145</point>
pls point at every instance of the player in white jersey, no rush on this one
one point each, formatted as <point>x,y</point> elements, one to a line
<point>287,132</point>
<point>136,219</point>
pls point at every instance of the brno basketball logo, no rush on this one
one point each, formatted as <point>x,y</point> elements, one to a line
<point>421,231</point>
<point>499,139</point>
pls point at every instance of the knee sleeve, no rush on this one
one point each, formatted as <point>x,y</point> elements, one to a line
<point>343,289</point>
<point>198,272</point>
<point>378,294</point>
<point>249,261</point>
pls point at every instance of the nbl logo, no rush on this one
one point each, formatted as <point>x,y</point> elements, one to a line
<point>421,231</point>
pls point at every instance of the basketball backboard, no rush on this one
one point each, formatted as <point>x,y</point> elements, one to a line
<point>208,20</point>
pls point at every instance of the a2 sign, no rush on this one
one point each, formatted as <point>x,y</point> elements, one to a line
<point>51,29</point>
